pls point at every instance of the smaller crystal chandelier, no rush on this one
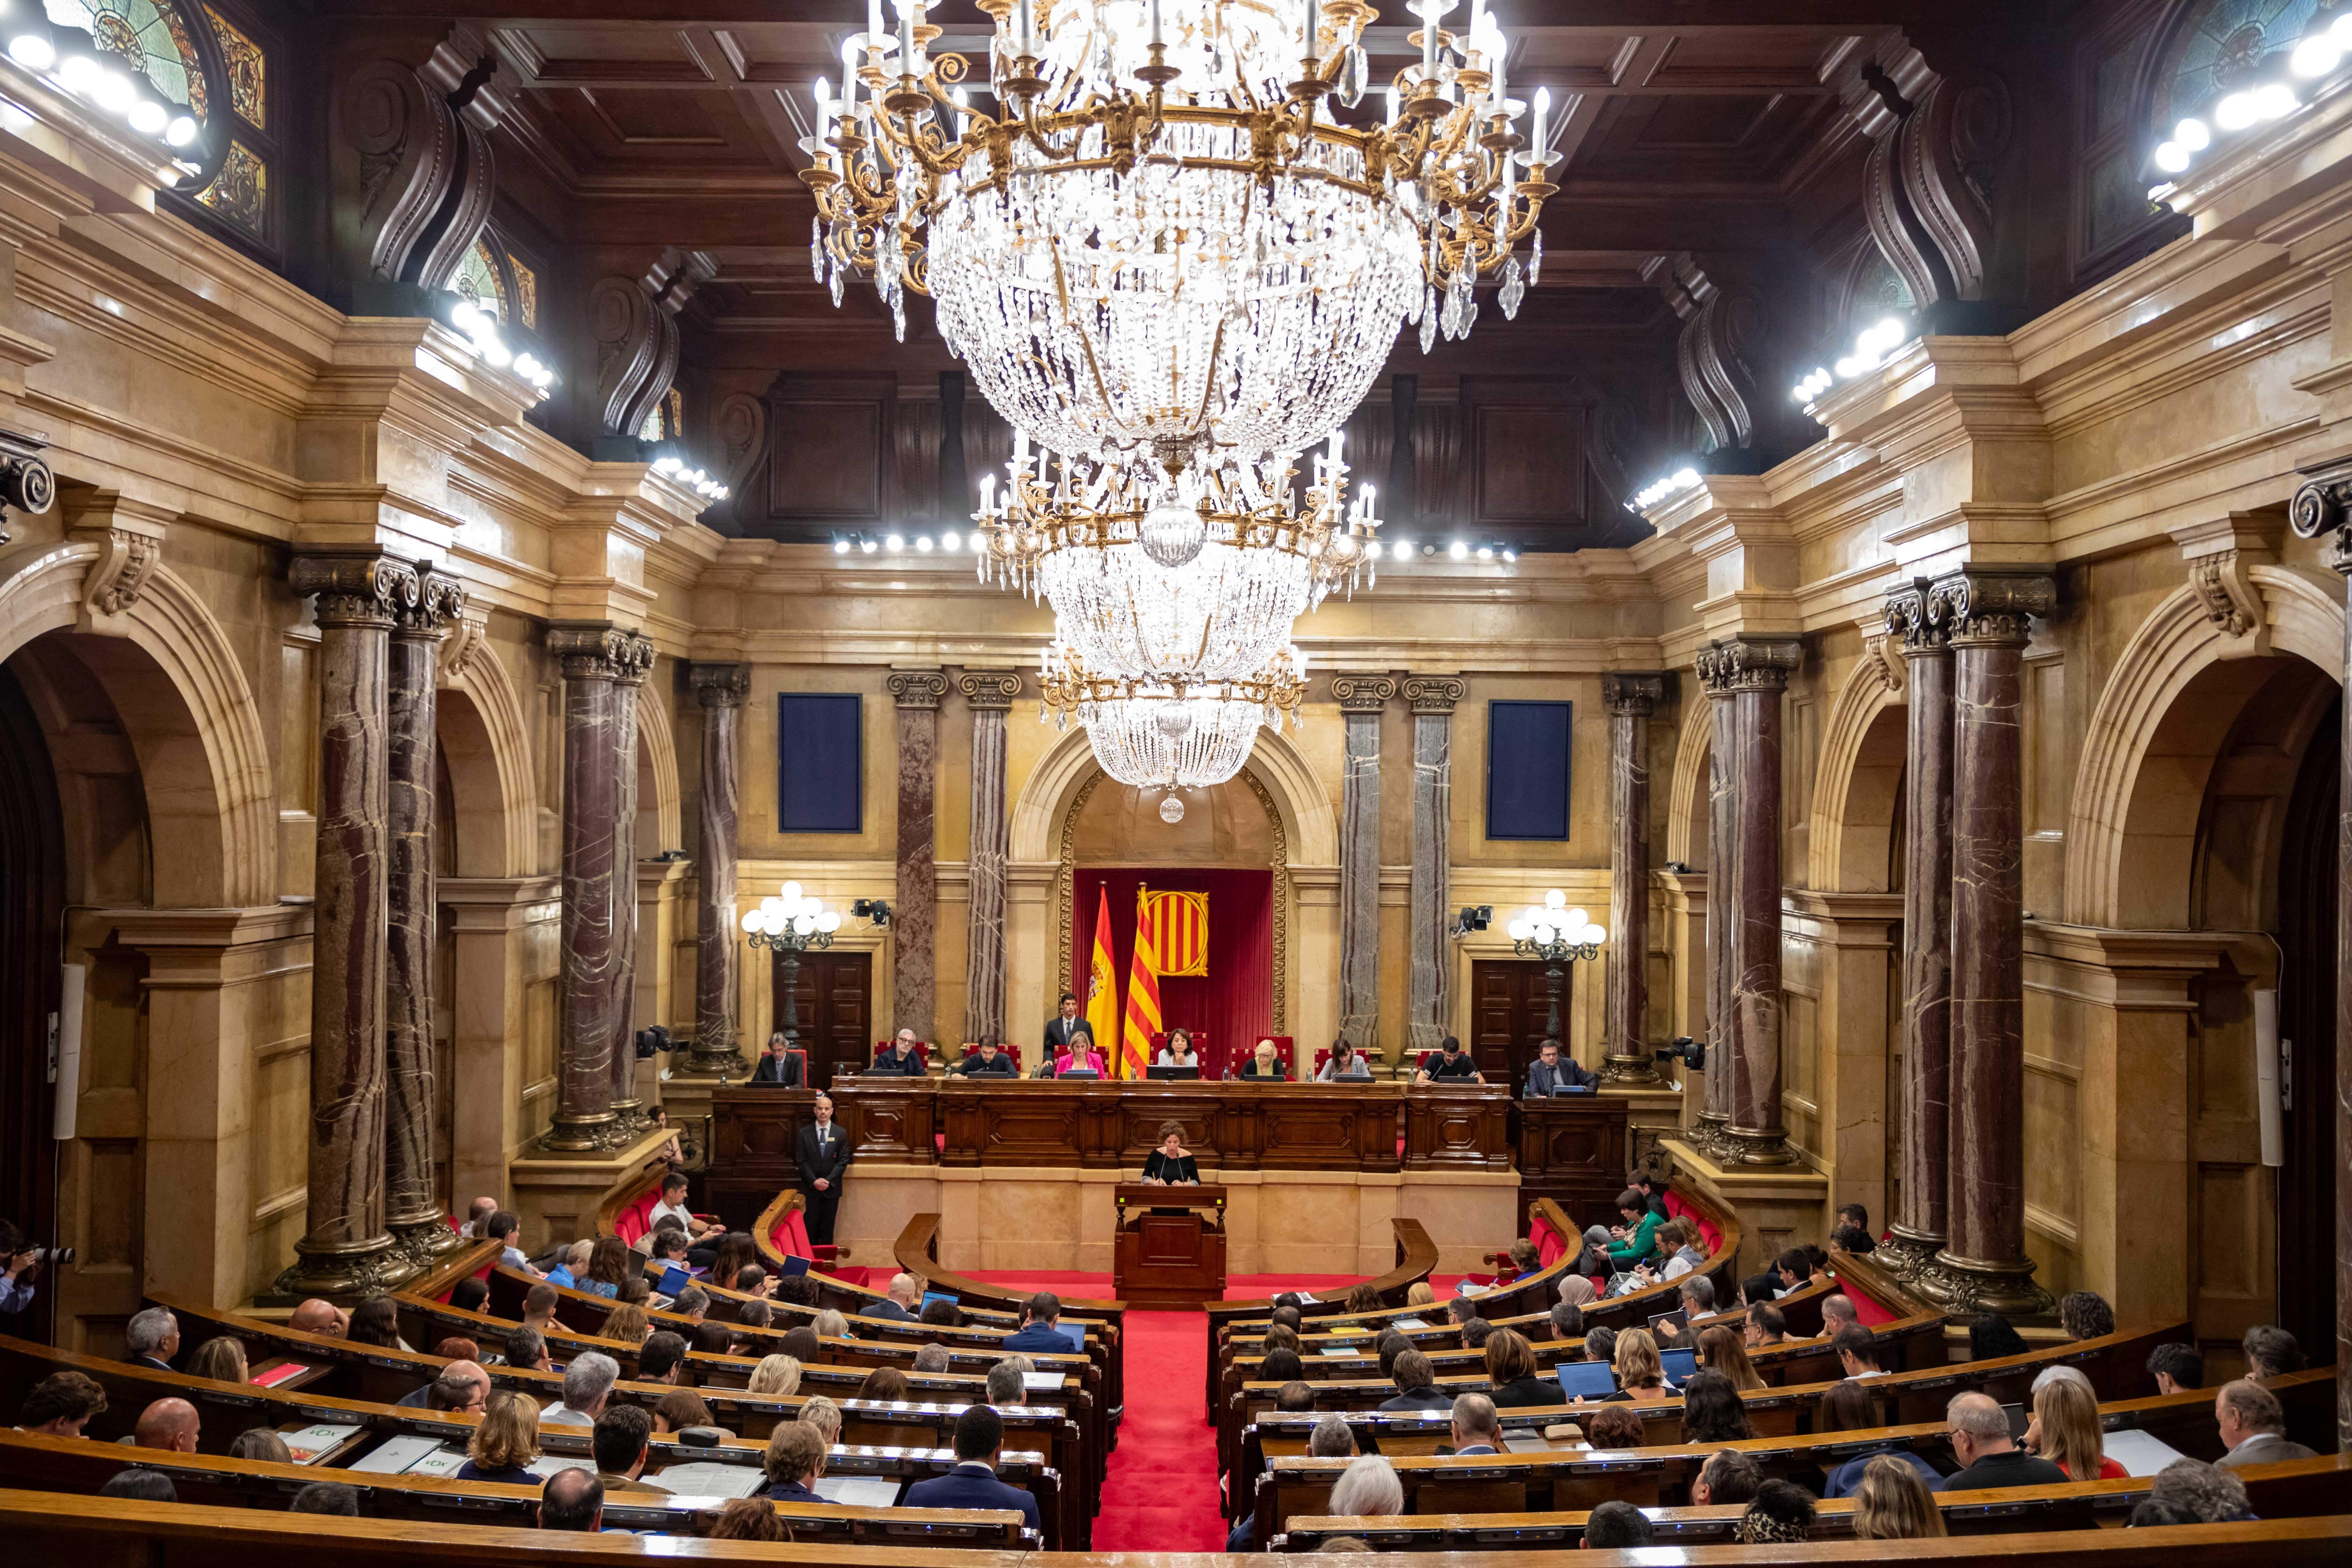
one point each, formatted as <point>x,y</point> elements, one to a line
<point>1157,732</point>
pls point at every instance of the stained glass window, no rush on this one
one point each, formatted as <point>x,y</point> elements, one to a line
<point>248,79</point>
<point>666,420</point>
<point>477,280</point>
<point>2229,43</point>
<point>151,35</point>
<point>526,292</point>
<point>240,193</point>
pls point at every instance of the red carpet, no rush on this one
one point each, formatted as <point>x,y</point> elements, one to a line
<point>1163,1492</point>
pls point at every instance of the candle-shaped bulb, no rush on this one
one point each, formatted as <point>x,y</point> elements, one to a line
<point>1476,36</point>
<point>874,20</point>
<point>849,77</point>
<point>1027,47</point>
<point>987,494</point>
<point>1542,143</point>
<point>906,36</point>
<point>1428,10</point>
<point>1392,93</point>
<point>1155,23</point>
<point>1020,448</point>
<point>1314,25</point>
<point>1338,436</point>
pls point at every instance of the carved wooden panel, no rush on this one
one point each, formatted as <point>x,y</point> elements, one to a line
<point>830,445</point>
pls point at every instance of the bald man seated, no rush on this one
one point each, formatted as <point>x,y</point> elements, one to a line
<point>904,1302</point>
<point>317,1317</point>
<point>169,1425</point>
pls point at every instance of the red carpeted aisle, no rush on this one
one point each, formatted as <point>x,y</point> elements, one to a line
<point>1163,1492</point>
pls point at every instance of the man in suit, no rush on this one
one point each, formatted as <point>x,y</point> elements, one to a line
<point>1978,1429</point>
<point>979,1439</point>
<point>904,1302</point>
<point>153,1338</point>
<point>2253,1426</point>
<point>898,1058</point>
<point>1477,1429</point>
<point>822,1152</point>
<point>1416,1384</point>
<point>1037,1332</point>
<point>1061,1031</point>
<point>1554,1073</point>
<point>988,1060</point>
<point>778,1065</point>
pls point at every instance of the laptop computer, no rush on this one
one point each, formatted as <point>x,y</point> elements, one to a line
<point>1586,1379</point>
<point>1075,1335</point>
<point>1171,1070</point>
<point>1678,1364</point>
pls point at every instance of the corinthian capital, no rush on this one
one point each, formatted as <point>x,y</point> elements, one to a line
<point>1992,608</point>
<point>359,589</point>
<point>721,685</point>
<point>440,599</point>
<point>600,652</point>
<point>1635,693</point>
<point>1749,664</point>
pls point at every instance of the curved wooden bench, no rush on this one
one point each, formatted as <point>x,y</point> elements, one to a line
<point>916,1251</point>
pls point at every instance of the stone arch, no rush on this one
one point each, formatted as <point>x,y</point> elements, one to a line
<point>1858,791</point>
<point>1686,798</point>
<point>657,807</point>
<point>2131,829</point>
<point>191,717</point>
<point>486,742</point>
<point>1310,824</point>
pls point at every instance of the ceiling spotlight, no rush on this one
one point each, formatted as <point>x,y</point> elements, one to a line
<point>1429,550</point>
<point>841,547</point>
<point>866,545</point>
<point>2171,157</point>
<point>2316,54</point>
<point>1509,554</point>
<point>893,542</point>
<point>32,51</point>
<point>1458,551</point>
<point>1485,553</point>
<point>951,541</point>
<point>923,544</point>
<point>1402,549</point>
<point>181,131</point>
<point>148,117</point>
<point>2194,134</point>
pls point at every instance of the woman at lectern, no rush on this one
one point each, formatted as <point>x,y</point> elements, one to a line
<point>1168,1165</point>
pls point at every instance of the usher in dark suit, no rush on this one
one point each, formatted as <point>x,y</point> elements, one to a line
<point>826,1157</point>
<point>1060,1032</point>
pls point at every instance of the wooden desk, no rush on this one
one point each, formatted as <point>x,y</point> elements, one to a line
<point>1172,1244</point>
<point>1571,1149</point>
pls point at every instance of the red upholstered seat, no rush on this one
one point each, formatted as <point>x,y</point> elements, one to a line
<point>922,1053</point>
<point>634,1221</point>
<point>790,1237</point>
<point>1550,1246</point>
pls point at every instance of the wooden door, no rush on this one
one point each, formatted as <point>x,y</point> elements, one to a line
<point>32,906</point>
<point>836,1005</point>
<point>2309,870</point>
<point>1508,1009</point>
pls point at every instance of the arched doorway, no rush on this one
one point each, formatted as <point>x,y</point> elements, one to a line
<point>2307,905</point>
<point>32,908</point>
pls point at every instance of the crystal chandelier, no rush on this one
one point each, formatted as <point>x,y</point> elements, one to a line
<point>1161,241</point>
<point>1159,733</point>
<point>1187,577</point>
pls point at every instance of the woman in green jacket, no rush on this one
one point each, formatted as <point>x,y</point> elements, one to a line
<point>1638,1236</point>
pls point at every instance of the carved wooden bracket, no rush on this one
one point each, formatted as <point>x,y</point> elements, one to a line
<point>414,172</point>
<point>636,335</point>
<point>1927,178</point>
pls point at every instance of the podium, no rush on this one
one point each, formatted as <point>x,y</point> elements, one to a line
<point>1171,1245</point>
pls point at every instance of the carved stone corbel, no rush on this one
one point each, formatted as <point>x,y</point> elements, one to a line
<point>2220,554</point>
<point>129,539</point>
<point>466,641</point>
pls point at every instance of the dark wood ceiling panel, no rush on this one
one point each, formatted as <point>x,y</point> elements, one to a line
<point>667,121</point>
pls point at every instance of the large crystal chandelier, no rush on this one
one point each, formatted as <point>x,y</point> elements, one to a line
<point>1161,241</point>
<point>1162,734</point>
<point>1193,577</point>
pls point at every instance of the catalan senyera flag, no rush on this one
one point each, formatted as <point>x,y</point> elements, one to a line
<point>1142,996</point>
<point>1102,983</point>
<point>1180,931</point>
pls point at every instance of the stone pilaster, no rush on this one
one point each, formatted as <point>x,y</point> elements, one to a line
<point>1983,1267</point>
<point>1361,700</point>
<point>1631,700</point>
<point>1747,676</point>
<point>346,1249</point>
<point>1917,1232</point>
<point>413,1209</point>
<point>988,694</point>
<point>629,1118</point>
<point>915,914</point>
<point>722,690</point>
<point>1432,697</point>
<point>594,657</point>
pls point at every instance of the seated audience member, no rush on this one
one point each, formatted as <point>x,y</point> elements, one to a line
<point>979,1444</point>
<point>1008,1382</point>
<point>693,1304</point>
<point>315,1317</point>
<point>610,1265</point>
<point>1345,1062</point>
<point>1277,1366</point>
<point>681,1410</point>
<point>1288,1316</point>
<point>1837,1312</point>
<point>1613,1526</point>
<point>931,1358</point>
<point>1763,1287</point>
<point>719,1339</point>
<point>1475,1334</point>
<point>1978,1430</point>
<point>60,1405</point>
<point>831,1325</point>
<point>794,1460</point>
<point>459,1348</point>
<point>152,1339</point>
<point>802,1344</point>
<point>667,1245</point>
<point>1554,1071</point>
<point>1477,1429</point>
<point>2066,1430</point>
<point>1295,1399</point>
<point>1417,1386</point>
<point>571,1499</point>
<point>470,1295</point>
<point>169,1425</point>
<point>884,1385</point>
<point>505,1227</point>
<point>1265,1064</point>
<point>1855,1215</point>
<point>2207,1494</point>
<point>1728,1478</point>
<point>1853,1231</point>
<point>1713,1411</point>
<point>1857,1351</point>
<point>942,1313</point>
<point>460,1389</point>
<point>2271,1352</point>
<point>1393,1343</point>
<point>220,1358</point>
<point>506,1445</point>
<point>1781,1511</point>
<point>1366,1488</point>
<point>1452,1063</point>
<point>2148,1512</point>
<point>661,1358</point>
<point>748,1519</point>
<point>672,1205</point>
<point>476,1216</point>
<point>1989,1338</point>
<point>628,1324</point>
<point>587,1386</point>
<point>1653,1188</point>
<point>1849,1407</point>
<point>1845,1238</point>
<point>989,1058</point>
<point>1461,1309</point>
<point>1038,1315</point>
<point>261,1442</point>
<point>1281,1336</point>
<point>527,1348</point>
<point>331,1498</point>
<point>141,1486</point>
<point>824,1415</point>
<point>1612,1426</point>
<point>620,1448</point>
<point>1637,1238</point>
<point>744,1336</point>
<point>2253,1426</point>
<point>2085,1315</point>
<point>1892,1503</point>
<point>1600,1345</point>
<point>1576,1290</point>
<point>903,1302</point>
<point>2176,1367</point>
<point>1420,1293</point>
<point>1567,1323</point>
<point>1697,1296</point>
<point>1641,1377</point>
<point>1794,1266</point>
<point>1362,1298</point>
<point>1764,1326</point>
<point>538,1308</point>
<point>1593,1260</point>
<point>1720,1350</point>
<point>775,1376</point>
<point>376,1322</point>
<point>1678,1242</point>
<point>729,1256</point>
<point>1511,1368</point>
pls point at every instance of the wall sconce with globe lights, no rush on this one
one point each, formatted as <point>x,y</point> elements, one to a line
<point>1555,936</point>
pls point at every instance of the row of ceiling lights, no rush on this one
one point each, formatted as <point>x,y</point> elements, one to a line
<point>2320,54</point>
<point>950,542</point>
<point>71,60</point>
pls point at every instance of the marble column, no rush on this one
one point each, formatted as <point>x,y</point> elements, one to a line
<point>1362,699</point>
<point>722,690</point>
<point>1631,700</point>
<point>1749,674</point>
<point>988,694</point>
<point>915,911</point>
<point>1709,1129</point>
<point>346,1249</point>
<point>2322,509</point>
<point>592,656</point>
<point>629,1118</point>
<point>1983,1267</point>
<point>1430,959</point>
<point>413,1208</point>
<point>1917,1232</point>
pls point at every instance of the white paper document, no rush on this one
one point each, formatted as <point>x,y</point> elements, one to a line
<point>2139,1453</point>
<point>394,1458</point>
<point>307,1444</point>
<point>857,1492</point>
<point>550,1464</point>
<point>710,1478</point>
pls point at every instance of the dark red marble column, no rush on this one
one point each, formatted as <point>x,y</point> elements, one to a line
<point>1709,1131</point>
<point>1630,700</point>
<point>721,688</point>
<point>345,1249</point>
<point>1983,1267</point>
<point>629,1118</point>
<point>413,1208</point>
<point>1917,1232</point>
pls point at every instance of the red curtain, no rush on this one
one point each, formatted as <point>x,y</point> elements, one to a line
<point>1234,1000</point>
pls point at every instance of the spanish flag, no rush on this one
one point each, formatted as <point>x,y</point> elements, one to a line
<point>1142,996</point>
<point>1102,987</point>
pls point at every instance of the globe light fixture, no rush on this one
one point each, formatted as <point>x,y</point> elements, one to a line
<point>1555,934</point>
